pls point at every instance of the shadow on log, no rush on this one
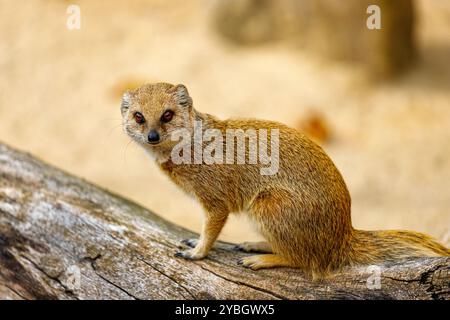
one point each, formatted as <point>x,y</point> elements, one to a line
<point>64,238</point>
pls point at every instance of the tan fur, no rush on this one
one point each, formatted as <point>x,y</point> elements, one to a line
<point>303,211</point>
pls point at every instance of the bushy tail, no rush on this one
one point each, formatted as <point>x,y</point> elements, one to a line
<point>377,246</point>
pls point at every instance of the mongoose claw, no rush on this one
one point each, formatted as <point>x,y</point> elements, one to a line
<point>250,262</point>
<point>261,246</point>
<point>261,261</point>
<point>190,242</point>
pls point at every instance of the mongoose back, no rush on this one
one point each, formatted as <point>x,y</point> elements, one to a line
<point>302,210</point>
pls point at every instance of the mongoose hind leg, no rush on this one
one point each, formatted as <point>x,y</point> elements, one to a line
<point>288,237</point>
<point>261,246</point>
<point>264,261</point>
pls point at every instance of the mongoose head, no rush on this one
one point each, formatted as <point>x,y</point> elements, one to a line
<point>153,112</point>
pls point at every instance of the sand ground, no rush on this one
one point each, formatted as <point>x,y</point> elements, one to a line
<point>57,101</point>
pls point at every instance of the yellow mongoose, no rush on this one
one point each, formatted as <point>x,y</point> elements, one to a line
<point>302,210</point>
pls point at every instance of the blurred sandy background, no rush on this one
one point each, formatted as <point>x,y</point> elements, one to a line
<point>59,101</point>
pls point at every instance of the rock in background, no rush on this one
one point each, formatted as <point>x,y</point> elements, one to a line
<point>330,28</point>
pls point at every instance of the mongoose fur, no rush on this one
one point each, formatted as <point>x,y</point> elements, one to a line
<point>303,211</point>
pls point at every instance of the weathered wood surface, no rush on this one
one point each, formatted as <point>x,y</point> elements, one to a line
<point>64,238</point>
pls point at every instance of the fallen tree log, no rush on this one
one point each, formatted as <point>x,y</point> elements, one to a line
<point>64,238</point>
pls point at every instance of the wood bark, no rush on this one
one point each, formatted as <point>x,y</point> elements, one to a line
<point>63,238</point>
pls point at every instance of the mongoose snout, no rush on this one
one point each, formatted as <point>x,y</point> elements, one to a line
<point>153,137</point>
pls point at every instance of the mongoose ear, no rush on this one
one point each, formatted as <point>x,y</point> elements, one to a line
<point>181,95</point>
<point>126,101</point>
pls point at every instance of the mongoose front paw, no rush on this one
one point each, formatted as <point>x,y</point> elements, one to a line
<point>190,242</point>
<point>189,255</point>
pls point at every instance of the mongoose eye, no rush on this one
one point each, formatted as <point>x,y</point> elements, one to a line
<point>139,118</point>
<point>167,116</point>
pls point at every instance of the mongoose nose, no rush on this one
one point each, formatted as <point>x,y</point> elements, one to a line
<point>153,136</point>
